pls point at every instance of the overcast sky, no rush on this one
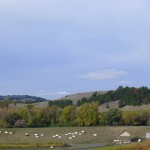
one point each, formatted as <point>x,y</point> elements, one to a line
<point>52,48</point>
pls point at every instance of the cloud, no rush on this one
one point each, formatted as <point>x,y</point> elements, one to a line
<point>104,74</point>
<point>62,93</point>
<point>125,82</point>
<point>45,93</point>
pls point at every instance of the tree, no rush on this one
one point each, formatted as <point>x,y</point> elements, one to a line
<point>103,118</point>
<point>5,103</point>
<point>87,114</point>
<point>121,103</point>
<point>30,113</point>
<point>60,103</point>
<point>114,116</point>
<point>128,118</point>
<point>44,118</point>
<point>12,118</point>
<point>54,114</point>
<point>135,118</point>
<point>68,115</point>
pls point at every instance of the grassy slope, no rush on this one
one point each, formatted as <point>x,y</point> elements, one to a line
<point>79,96</point>
<point>114,104</point>
<point>101,107</point>
<point>73,97</point>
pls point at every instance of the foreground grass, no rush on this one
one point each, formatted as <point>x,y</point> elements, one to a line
<point>134,146</point>
<point>31,145</point>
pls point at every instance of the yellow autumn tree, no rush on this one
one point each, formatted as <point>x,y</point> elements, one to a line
<point>87,114</point>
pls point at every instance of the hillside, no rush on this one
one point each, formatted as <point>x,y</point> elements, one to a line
<point>22,98</point>
<point>79,96</point>
<point>124,98</point>
<point>114,104</point>
<point>102,107</point>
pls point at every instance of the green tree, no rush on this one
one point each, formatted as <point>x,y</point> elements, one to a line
<point>12,118</point>
<point>114,116</point>
<point>5,103</point>
<point>44,117</point>
<point>30,113</point>
<point>135,118</point>
<point>69,115</point>
<point>87,114</point>
<point>54,114</point>
<point>128,118</point>
<point>60,103</point>
<point>103,118</point>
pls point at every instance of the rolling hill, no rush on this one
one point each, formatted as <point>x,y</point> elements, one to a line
<point>22,98</point>
<point>110,102</point>
<point>79,96</point>
<point>114,104</point>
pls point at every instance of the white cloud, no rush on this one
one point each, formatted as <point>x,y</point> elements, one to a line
<point>62,93</point>
<point>125,82</point>
<point>104,74</point>
<point>45,93</point>
<point>52,95</point>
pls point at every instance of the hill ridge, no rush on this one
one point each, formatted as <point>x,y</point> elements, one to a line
<point>22,98</point>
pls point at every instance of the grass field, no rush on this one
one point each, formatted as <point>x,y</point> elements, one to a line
<point>133,146</point>
<point>104,134</point>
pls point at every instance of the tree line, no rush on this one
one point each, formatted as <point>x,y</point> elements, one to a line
<point>126,96</point>
<point>87,114</point>
<point>61,103</point>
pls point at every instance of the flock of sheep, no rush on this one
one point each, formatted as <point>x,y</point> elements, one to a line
<point>70,135</point>
<point>7,132</point>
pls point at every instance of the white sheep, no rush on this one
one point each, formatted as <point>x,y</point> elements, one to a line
<point>70,138</point>
<point>35,134</point>
<point>51,146</point>
<point>26,134</point>
<point>94,134</point>
<point>6,132</point>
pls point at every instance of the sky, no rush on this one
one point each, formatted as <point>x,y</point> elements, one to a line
<point>53,48</point>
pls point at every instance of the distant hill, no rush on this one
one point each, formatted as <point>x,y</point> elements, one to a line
<point>79,96</point>
<point>43,103</point>
<point>115,104</point>
<point>23,98</point>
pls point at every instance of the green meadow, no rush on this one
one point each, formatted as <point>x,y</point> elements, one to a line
<point>105,135</point>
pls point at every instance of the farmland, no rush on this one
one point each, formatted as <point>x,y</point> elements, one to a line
<point>134,146</point>
<point>105,135</point>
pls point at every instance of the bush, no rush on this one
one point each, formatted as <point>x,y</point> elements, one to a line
<point>4,124</point>
<point>20,123</point>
